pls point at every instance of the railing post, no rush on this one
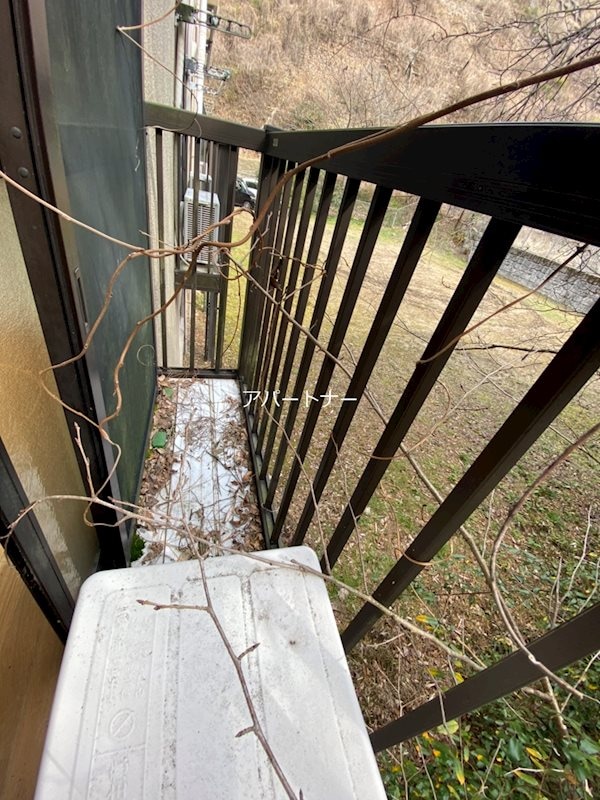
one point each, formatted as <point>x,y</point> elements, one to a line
<point>255,300</point>
<point>227,161</point>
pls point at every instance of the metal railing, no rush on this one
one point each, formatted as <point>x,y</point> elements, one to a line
<point>204,157</point>
<point>519,175</point>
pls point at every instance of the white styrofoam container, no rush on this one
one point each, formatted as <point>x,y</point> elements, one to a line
<point>148,703</point>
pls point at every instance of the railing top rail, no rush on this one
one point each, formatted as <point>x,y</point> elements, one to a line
<point>315,141</point>
<point>180,120</point>
<point>542,175</point>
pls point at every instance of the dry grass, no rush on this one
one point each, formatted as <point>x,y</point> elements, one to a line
<point>345,63</point>
<point>474,395</point>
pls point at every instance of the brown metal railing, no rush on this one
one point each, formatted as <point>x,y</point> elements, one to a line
<point>500,173</point>
<point>519,175</point>
<point>195,140</point>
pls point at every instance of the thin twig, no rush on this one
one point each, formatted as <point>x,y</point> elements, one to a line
<point>500,602</point>
<point>236,660</point>
<point>452,342</point>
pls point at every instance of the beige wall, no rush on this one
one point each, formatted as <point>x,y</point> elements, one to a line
<point>159,87</point>
<point>31,656</point>
<point>32,425</point>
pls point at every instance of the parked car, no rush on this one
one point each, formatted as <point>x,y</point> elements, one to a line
<point>252,183</point>
<point>244,195</point>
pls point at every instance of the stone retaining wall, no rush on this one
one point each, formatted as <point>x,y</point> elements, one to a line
<point>571,287</point>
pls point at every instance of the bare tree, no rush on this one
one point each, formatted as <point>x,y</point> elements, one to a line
<point>371,63</point>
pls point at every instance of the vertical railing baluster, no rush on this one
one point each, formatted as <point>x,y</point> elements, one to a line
<point>477,277</point>
<point>303,296</point>
<point>255,301</point>
<point>335,251</point>
<point>277,273</point>
<point>228,158</point>
<point>160,203</point>
<point>573,640</point>
<point>567,373</point>
<point>287,292</point>
<point>364,251</point>
<point>179,188</point>
<point>408,258</point>
<point>210,300</point>
<point>267,260</point>
<point>195,254</point>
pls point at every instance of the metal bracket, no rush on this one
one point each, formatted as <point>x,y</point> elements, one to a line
<point>218,73</point>
<point>193,16</point>
<point>191,65</point>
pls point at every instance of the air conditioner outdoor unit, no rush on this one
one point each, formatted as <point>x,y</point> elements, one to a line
<point>209,212</point>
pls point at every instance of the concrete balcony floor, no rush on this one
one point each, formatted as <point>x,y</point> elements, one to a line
<point>198,473</point>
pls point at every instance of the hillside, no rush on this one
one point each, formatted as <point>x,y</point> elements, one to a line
<point>341,63</point>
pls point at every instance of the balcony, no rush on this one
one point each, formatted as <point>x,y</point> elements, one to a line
<point>294,377</point>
